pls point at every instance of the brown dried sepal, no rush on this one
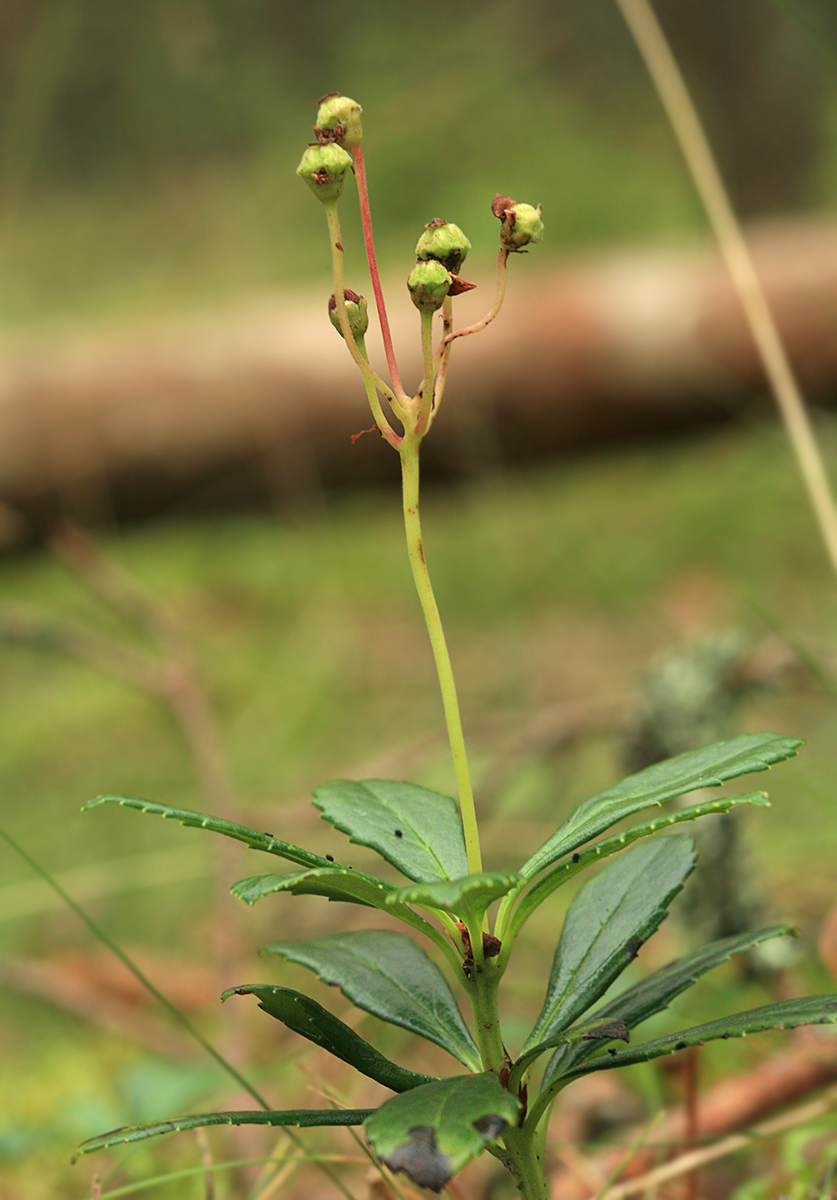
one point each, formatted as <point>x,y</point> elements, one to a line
<point>458,286</point>
<point>500,206</point>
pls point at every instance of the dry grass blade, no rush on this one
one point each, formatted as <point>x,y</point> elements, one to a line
<point>685,122</point>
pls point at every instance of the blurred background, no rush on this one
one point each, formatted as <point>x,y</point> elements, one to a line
<point>204,597</point>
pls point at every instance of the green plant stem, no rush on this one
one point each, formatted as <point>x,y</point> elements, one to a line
<point>426,402</point>
<point>409,451</point>
<point>442,358</point>
<point>523,1152</point>
<point>482,988</point>
<point>383,424</point>
<point>370,376</point>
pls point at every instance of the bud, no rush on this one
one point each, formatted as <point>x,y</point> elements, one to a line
<point>338,120</point>
<point>428,284</point>
<point>324,170</point>
<point>522,224</point>
<point>445,243</point>
<point>355,311</point>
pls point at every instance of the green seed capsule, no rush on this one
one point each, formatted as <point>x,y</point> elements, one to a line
<point>355,311</point>
<point>444,242</point>
<point>522,226</point>
<point>338,119</point>
<point>324,170</point>
<point>428,284</point>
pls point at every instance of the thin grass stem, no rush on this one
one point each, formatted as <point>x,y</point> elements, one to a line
<point>681,112</point>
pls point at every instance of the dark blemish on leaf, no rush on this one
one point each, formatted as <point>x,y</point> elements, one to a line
<point>725,1036</point>
<point>421,550</point>
<point>421,1160</point>
<point>329,858</point>
<point>489,1126</point>
<point>576,857</point>
<point>608,1030</point>
<point>680,1046</point>
<point>398,833</point>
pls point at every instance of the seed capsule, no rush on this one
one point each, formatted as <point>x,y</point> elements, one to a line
<point>324,170</point>
<point>338,120</point>
<point>444,242</point>
<point>428,284</point>
<point>521,223</point>
<point>355,310</point>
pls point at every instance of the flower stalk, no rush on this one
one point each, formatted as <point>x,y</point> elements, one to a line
<point>433,283</point>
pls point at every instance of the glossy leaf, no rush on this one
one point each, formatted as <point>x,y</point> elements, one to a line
<point>416,830</point>
<point>472,894</point>
<point>787,1014</point>
<point>613,914</point>
<point>432,1132</point>
<point>708,767</point>
<point>587,1036</point>
<point>561,872</point>
<point>308,1018</point>
<point>255,840</point>
<point>335,883</point>
<point>653,994</point>
<point>388,975</point>
<point>296,1118</point>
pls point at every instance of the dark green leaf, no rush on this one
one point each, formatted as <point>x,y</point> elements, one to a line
<point>251,838</point>
<point>432,1132</point>
<point>415,829</point>
<point>335,883</point>
<point>297,1118</point>
<point>620,908</point>
<point>388,975</point>
<point>788,1014</point>
<point>590,1033</point>
<point>308,1018</point>
<point>472,895</point>
<point>709,767</point>
<point>654,994</point>
<point>563,871</point>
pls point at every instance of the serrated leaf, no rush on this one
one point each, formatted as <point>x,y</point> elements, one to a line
<point>592,1032</point>
<point>620,908</point>
<point>296,1118</point>
<point>561,872</point>
<point>388,975</point>
<point>251,837</point>
<point>787,1014</point>
<point>415,829</point>
<point>653,994</point>
<point>336,884</point>
<point>432,1132</point>
<point>472,894</point>
<point>708,767</point>
<point>308,1018</point>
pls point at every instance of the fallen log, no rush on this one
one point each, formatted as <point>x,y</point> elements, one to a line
<point>259,403</point>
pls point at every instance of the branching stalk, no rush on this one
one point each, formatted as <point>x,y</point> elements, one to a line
<point>502,275</point>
